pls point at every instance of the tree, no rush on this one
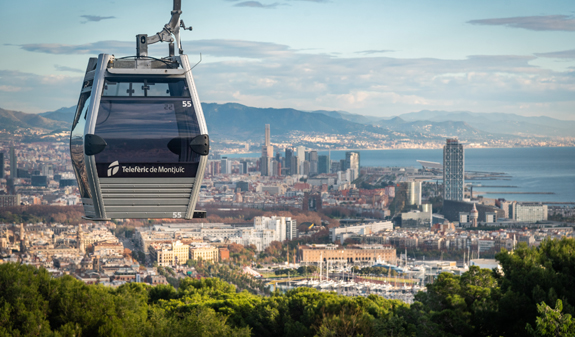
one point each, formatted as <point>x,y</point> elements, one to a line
<point>551,322</point>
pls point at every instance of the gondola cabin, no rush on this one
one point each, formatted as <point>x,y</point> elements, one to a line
<point>139,141</point>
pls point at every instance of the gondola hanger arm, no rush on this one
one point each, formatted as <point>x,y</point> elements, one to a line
<point>165,35</point>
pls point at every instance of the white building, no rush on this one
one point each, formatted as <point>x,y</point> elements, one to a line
<point>526,212</point>
<point>365,229</point>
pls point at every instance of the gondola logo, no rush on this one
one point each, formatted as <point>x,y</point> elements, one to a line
<point>113,168</point>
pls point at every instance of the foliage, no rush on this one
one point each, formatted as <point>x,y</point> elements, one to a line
<point>480,302</point>
<point>551,322</point>
<point>69,215</point>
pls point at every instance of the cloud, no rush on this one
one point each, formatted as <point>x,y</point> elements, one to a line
<point>265,74</point>
<point>10,88</point>
<point>64,68</point>
<point>565,54</point>
<point>539,23</point>
<point>110,47</point>
<point>372,51</point>
<point>95,18</point>
<point>36,93</point>
<point>216,47</point>
<point>256,4</point>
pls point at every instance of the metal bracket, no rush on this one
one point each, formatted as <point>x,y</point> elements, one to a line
<point>200,214</point>
<point>201,145</point>
<point>165,35</point>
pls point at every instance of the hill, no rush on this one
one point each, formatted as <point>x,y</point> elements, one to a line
<point>11,120</point>
<point>500,122</point>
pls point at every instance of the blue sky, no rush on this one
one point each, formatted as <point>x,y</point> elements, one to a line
<point>372,57</point>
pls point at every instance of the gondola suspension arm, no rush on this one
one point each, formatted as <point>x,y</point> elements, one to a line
<point>165,35</point>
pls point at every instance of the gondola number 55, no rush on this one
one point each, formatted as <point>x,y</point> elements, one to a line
<point>177,215</point>
<point>187,104</point>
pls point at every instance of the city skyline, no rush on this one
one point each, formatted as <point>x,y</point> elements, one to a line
<point>515,57</point>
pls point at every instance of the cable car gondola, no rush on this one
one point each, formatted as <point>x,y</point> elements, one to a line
<point>139,141</point>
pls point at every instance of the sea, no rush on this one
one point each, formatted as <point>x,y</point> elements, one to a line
<point>528,170</point>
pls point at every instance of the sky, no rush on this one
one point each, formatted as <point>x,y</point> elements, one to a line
<point>372,57</point>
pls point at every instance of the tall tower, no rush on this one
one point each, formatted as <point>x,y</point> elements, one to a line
<point>474,215</point>
<point>267,139</point>
<point>287,164</point>
<point>267,155</point>
<point>453,170</point>
<point>13,164</point>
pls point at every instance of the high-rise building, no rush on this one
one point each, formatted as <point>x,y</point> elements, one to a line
<point>323,164</point>
<point>266,167</point>
<point>414,193</point>
<point>244,167</point>
<point>300,157</point>
<point>294,169</point>
<point>453,170</point>
<point>226,166</point>
<point>288,160</point>
<point>351,161</point>
<point>13,164</point>
<point>1,165</point>
<point>291,229</point>
<point>313,162</point>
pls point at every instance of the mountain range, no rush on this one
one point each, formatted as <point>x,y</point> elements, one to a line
<point>240,122</point>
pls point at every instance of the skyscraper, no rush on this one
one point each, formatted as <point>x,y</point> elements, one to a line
<point>13,164</point>
<point>288,160</point>
<point>323,164</point>
<point>453,170</point>
<point>313,162</point>
<point>267,155</point>
<point>226,166</point>
<point>300,158</point>
<point>414,193</point>
<point>351,161</point>
<point>1,165</point>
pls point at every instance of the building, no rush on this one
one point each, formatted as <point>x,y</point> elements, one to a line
<point>351,161</point>
<point>1,165</point>
<point>288,159</point>
<point>336,254</point>
<point>13,164</point>
<point>243,186</point>
<point>414,193</point>
<point>323,164</point>
<point>205,253</point>
<point>266,167</point>
<point>460,210</point>
<point>366,229</point>
<point>313,162</point>
<point>453,170</point>
<point>224,254</point>
<point>528,212</point>
<point>300,158</point>
<point>39,181</point>
<point>9,200</point>
<point>312,202</point>
<point>416,218</point>
<point>169,254</point>
<point>291,229</point>
<point>225,166</point>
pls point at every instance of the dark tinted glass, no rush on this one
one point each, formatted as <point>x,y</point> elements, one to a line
<point>77,144</point>
<point>147,130</point>
<point>138,87</point>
